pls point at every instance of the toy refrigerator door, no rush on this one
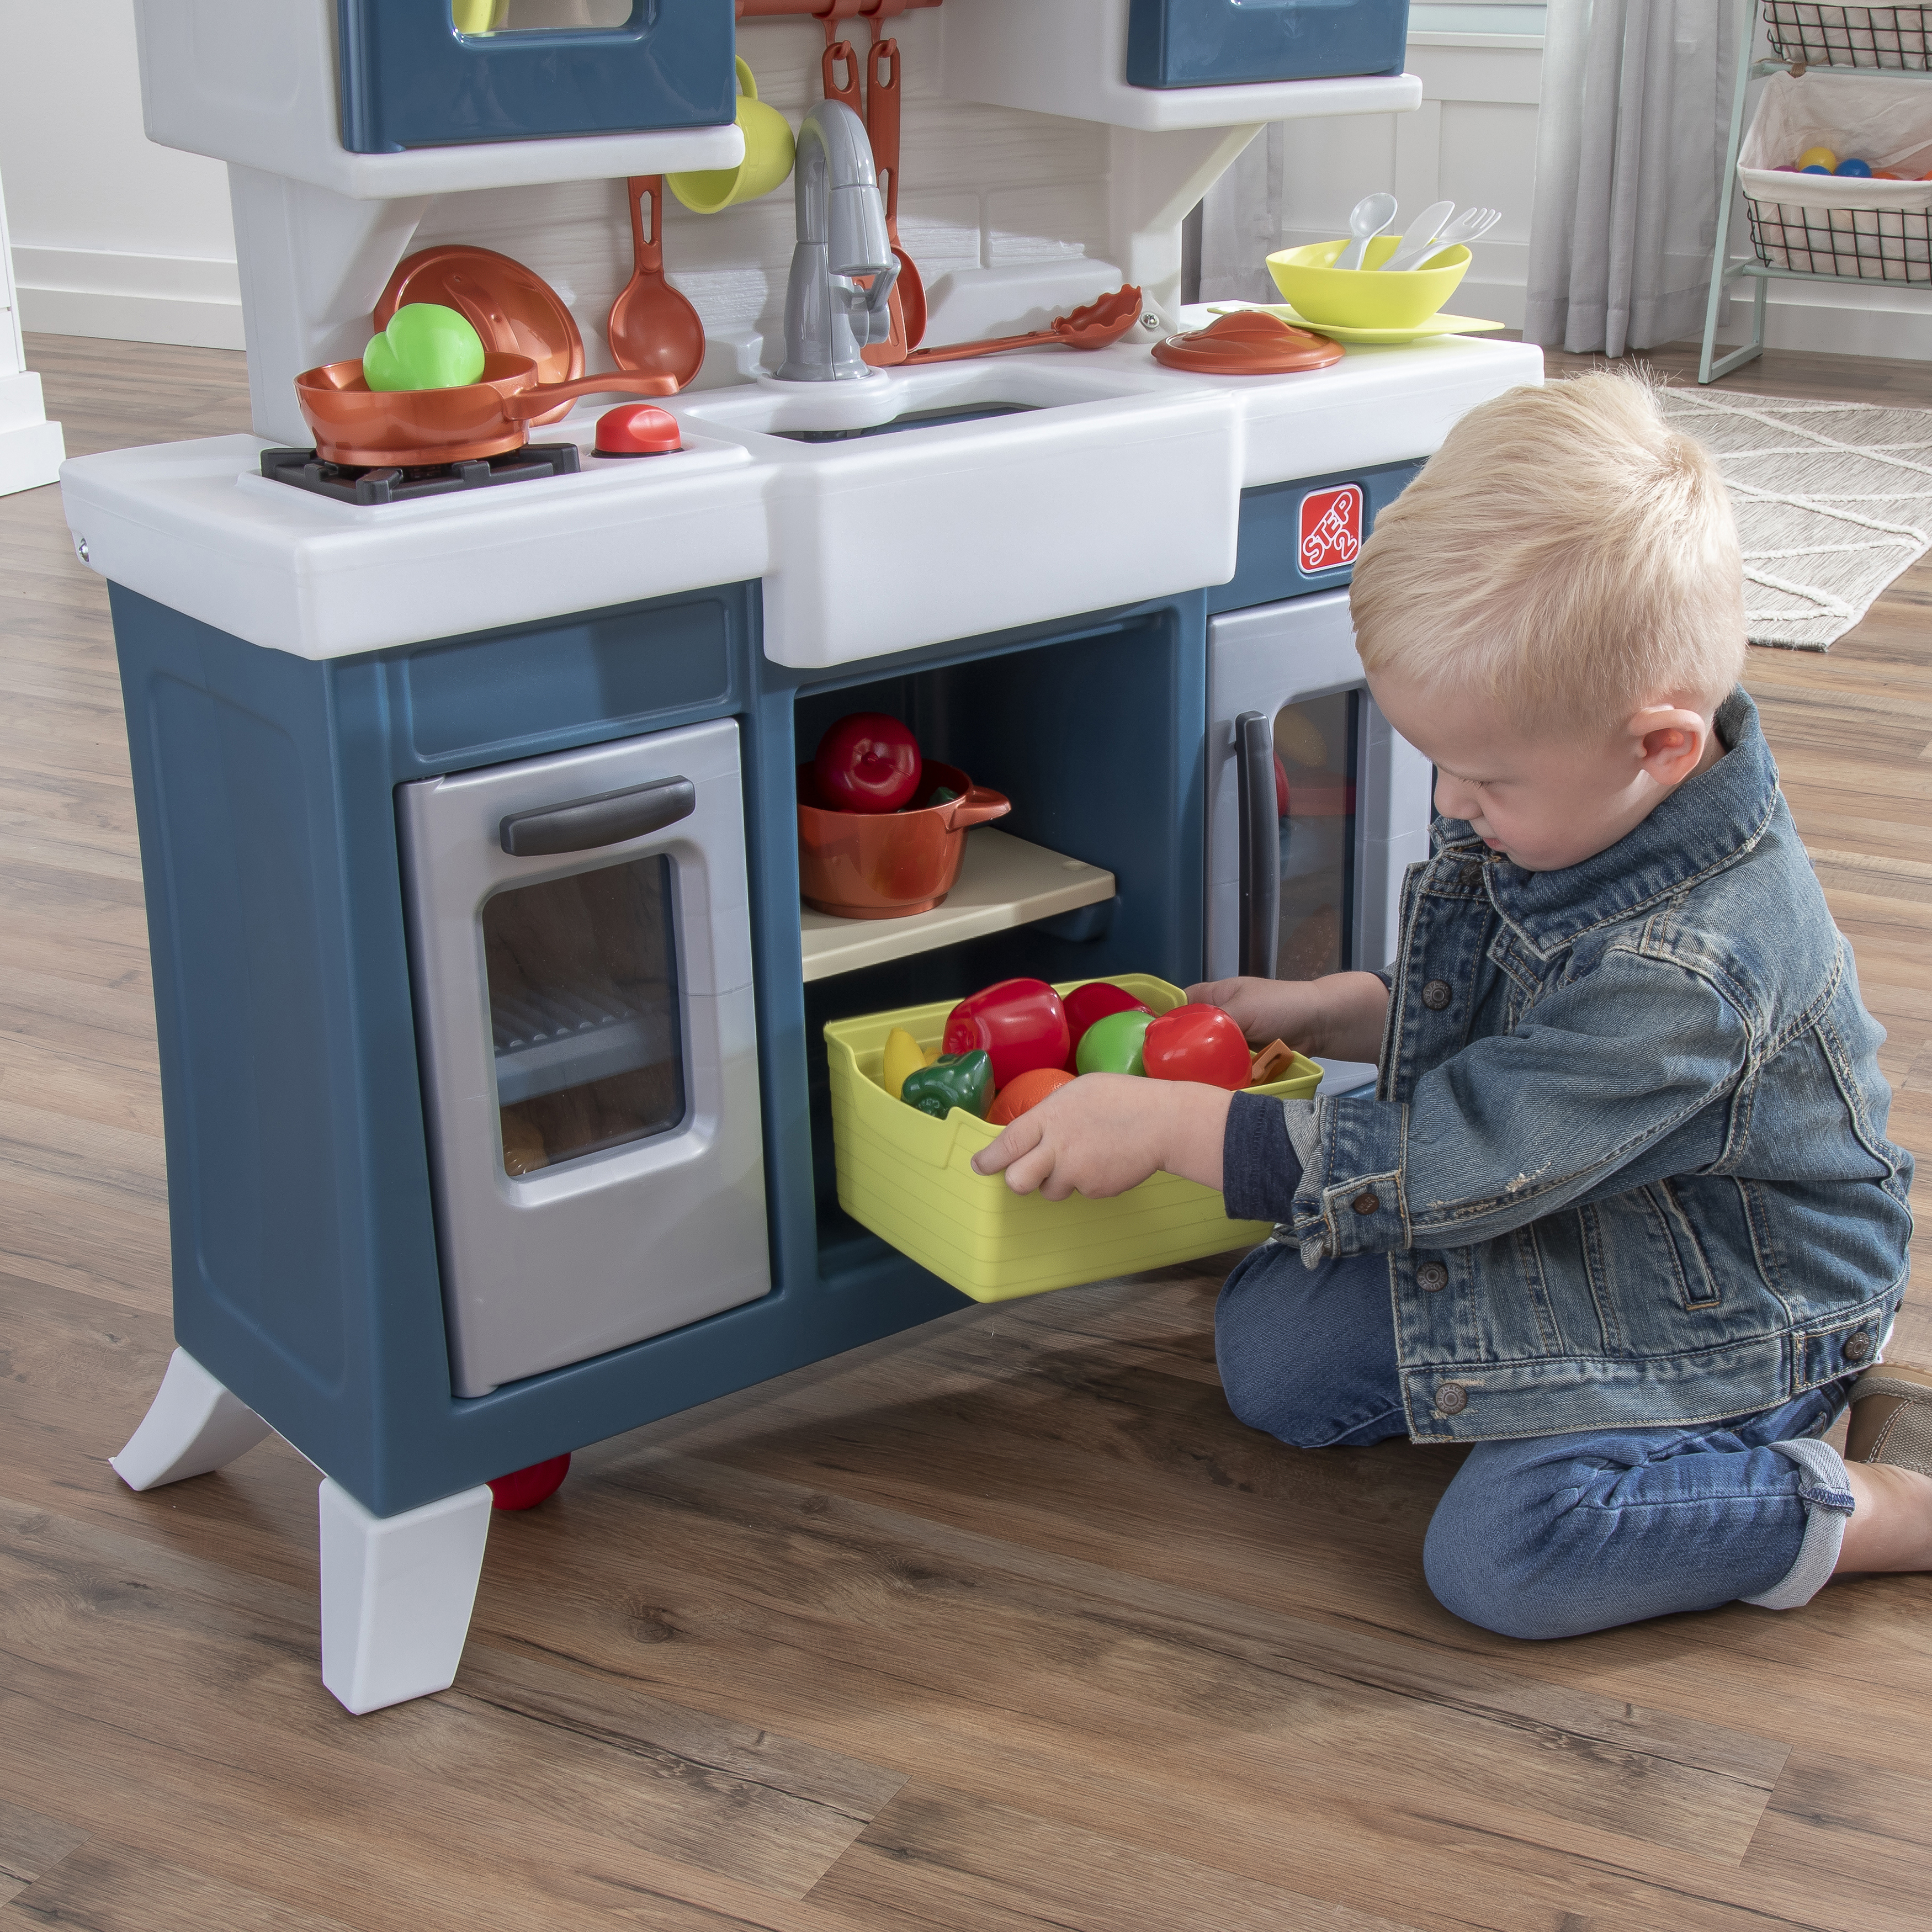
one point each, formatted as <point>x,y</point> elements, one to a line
<point>581,950</point>
<point>1289,713</point>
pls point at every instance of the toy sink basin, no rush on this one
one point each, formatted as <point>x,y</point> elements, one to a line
<point>1362,298</point>
<point>909,1178</point>
<point>1088,479</point>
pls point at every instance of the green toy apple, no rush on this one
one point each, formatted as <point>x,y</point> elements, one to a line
<point>425,346</point>
<point>1113,1045</point>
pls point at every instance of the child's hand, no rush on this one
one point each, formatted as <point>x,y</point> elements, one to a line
<point>1106,1132</point>
<point>1340,1015</point>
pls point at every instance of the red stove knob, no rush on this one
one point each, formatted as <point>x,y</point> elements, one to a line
<point>637,429</point>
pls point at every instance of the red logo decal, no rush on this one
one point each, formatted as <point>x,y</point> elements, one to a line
<point>1331,528</point>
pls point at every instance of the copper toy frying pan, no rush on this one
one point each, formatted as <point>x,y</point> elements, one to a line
<point>412,428</point>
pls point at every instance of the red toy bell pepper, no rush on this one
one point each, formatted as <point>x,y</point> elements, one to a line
<point>1020,1023</point>
<point>1094,1001</point>
<point>1197,1042</point>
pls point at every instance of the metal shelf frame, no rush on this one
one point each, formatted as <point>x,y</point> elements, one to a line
<point>1724,270</point>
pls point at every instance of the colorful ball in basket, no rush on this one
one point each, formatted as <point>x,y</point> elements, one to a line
<point>1320,293</point>
<point>769,150</point>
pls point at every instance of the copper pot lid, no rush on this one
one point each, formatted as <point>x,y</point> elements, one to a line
<point>1248,343</point>
<point>512,307</point>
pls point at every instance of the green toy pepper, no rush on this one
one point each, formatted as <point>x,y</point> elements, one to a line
<point>953,1080</point>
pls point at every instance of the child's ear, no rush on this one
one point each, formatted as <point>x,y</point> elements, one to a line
<point>1670,743</point>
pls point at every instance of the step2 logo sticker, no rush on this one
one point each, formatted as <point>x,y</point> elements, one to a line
<point>1331,528</point>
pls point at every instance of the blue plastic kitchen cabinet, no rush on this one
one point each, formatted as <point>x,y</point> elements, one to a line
<point>309,1288</point>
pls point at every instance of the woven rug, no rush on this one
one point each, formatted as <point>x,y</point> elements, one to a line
<point>1833,500</point>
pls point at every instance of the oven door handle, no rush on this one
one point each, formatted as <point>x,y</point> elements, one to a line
<point>1260,847</point>
<point>608,819</point>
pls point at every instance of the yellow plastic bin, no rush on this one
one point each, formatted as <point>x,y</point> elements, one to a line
<point>906,1176</point>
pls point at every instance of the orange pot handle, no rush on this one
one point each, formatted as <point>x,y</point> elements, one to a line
<point>532,402</point>
<point>974,806</point>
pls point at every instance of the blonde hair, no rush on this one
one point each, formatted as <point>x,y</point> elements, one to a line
<point>1566,553</point>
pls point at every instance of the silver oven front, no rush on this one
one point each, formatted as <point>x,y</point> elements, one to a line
<point>1316,807</point>
<point>580,949</point>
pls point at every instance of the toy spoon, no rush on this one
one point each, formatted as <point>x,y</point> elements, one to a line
<point>1366,219</point>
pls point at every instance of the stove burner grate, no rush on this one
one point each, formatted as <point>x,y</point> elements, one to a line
<point>347,484</point>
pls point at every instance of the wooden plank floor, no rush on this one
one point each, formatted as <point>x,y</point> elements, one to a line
<point>1003,1625</point>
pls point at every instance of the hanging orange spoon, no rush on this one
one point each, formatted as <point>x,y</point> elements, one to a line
<point>883,75</point>
<point>652,327</point>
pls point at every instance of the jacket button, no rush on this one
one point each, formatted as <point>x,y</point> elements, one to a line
<point>1451,1398</point>
<point>1858,1346</point>
<point>1471,874</point>
<point>1437,995</point>
<point>1433,1276</point>
<point>1366,1202</point>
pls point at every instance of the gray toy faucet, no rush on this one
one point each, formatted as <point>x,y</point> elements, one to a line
<point>841,233</point>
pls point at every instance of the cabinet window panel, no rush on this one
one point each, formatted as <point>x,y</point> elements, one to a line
<point>1315,752</point>
<point>584,1008</point>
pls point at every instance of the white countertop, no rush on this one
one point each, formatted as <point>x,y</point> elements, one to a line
<point>1121,483</point>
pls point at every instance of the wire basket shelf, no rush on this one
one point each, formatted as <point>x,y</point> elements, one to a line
<point>1864,244</point>
<point>1896,37</point>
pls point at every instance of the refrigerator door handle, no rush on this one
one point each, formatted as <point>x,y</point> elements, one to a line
<point>606,819</point>
<point>1260,846</point>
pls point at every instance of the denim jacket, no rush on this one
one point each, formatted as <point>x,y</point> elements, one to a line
<point>1627,1156</point>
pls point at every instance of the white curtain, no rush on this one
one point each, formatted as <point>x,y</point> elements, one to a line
<point>1637,97</point>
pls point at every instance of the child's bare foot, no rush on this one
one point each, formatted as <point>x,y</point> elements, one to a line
<point>1888,1465</point>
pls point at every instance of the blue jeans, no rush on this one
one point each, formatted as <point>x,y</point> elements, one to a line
<point>1552,1535</point>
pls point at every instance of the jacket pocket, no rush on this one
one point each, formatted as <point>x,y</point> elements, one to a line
<point>1696,1285</point>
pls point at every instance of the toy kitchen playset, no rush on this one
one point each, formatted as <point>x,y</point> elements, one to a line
<point>522,996</point>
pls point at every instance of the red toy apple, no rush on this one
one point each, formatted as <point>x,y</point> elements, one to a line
<point>1196,1043</point>
<point>867,762</point>
<point>524,1489</point>
<point>1020,1023</point>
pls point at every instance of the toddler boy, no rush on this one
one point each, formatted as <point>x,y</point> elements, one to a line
<point>1621,1213</point>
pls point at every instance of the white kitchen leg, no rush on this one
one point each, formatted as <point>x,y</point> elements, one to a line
<point>194,1425</point>
<point>396,1592</point>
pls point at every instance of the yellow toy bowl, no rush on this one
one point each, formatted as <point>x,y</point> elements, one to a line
<point>908,1178</point>
<point>1361,297</point>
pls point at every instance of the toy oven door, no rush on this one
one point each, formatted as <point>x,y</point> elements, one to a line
<point>1315,807</point>
<point>581,951</point>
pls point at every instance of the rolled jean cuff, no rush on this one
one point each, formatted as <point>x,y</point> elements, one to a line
<point>1826,1493</point>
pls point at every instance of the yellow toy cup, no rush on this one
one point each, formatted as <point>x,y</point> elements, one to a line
<point>1363,298</point>
<point>769,151</point>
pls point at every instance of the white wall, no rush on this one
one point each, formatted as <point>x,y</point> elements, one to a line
<point>112,235</point>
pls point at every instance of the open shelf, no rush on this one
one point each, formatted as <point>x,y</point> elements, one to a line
<point>1004,882</point>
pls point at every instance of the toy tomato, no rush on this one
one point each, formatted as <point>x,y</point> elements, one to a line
<point>1093,1001</point>
<point>1021,1095</point>
<point>1195,1042</point>
<point>867,762</point>
<point>1112,1044</point>
<point>1021,1023</point>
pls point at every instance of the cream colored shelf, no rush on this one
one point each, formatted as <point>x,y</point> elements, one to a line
<point>1004,882</point>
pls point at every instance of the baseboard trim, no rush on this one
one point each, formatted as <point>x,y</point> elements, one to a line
<point>130,318</point>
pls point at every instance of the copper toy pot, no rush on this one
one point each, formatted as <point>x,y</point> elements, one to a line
<point>408,428</point>
<point>888,864</point>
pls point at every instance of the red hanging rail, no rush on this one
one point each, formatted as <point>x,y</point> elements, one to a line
<point>828,11</point>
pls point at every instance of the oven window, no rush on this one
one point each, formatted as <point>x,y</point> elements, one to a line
<point>1315,754</point>
<point>584,1006</point>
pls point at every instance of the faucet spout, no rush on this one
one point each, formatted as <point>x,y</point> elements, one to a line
<point>830,316</point>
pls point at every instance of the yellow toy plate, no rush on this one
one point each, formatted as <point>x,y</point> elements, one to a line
<point>908,1178</point>
<point>1436,325</point>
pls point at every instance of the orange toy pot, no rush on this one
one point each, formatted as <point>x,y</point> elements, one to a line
<point>369,428</point>
<point>888,864</point>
